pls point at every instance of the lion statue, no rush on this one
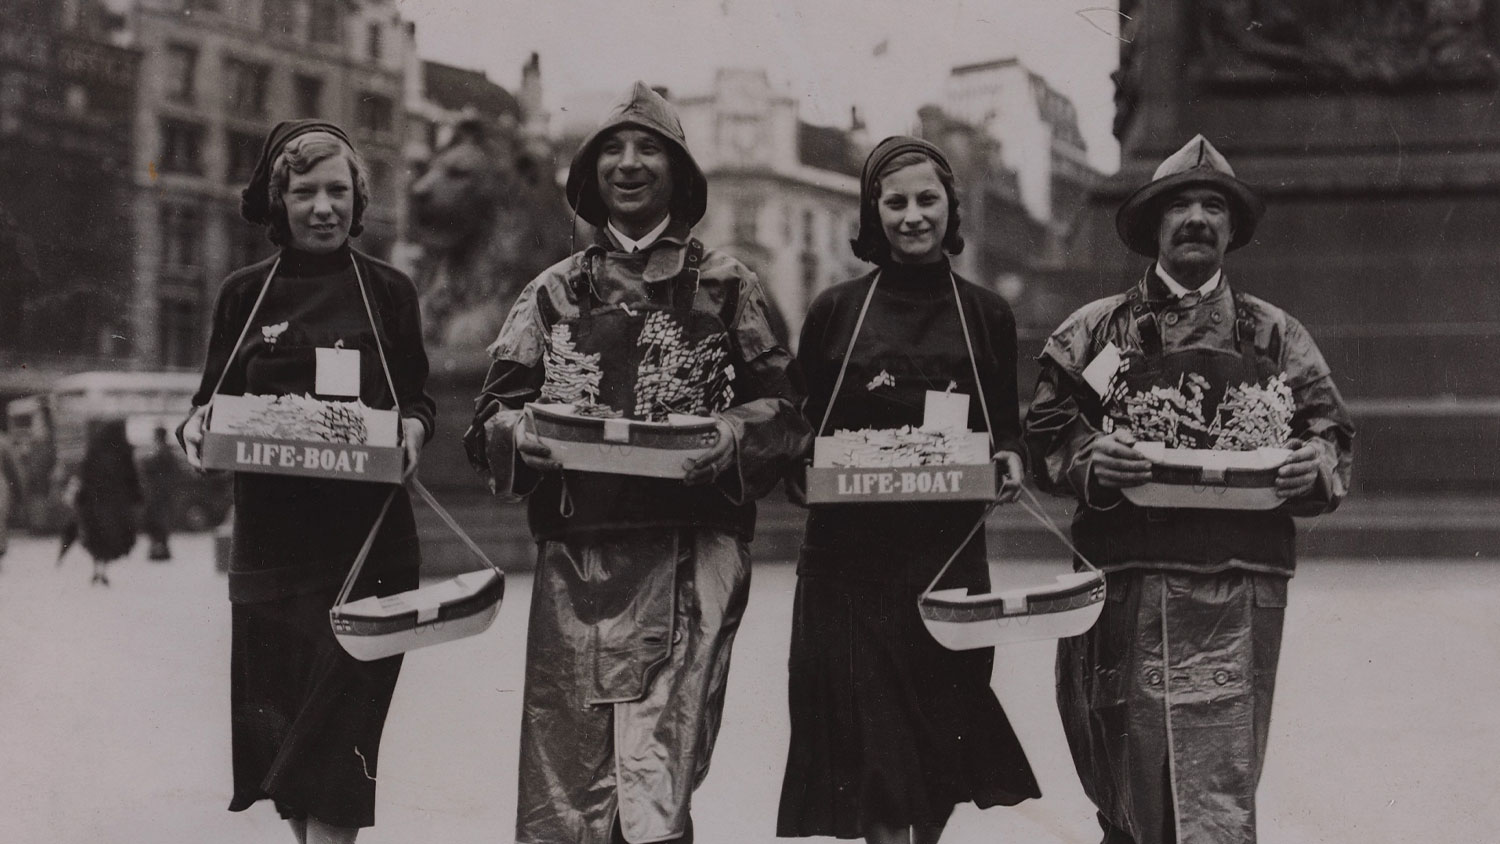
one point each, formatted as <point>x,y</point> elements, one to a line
<point>489,217</point>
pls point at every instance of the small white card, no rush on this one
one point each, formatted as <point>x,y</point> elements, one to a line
<point>337,372</point>
<point>1101,370</point>
<point>946,412</point>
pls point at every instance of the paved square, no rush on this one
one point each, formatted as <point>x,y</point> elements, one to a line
<point>114,715</point>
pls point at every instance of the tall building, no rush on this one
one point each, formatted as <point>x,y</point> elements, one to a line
<point>215,75</point>
<point>1003,242</point>
<point>784,195</point>
<point>66,100</point>
<point>1037,127</point>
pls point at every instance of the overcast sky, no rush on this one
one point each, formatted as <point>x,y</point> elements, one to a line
<point>822,51</point>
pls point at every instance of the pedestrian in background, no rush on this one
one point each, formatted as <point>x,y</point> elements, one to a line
<point>108,497</point>
<point>890,729</point>
<point>307,717</point>
<point>161,473</point>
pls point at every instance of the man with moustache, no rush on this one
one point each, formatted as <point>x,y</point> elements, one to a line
<point>640,582</point>
<point>1166,702</point>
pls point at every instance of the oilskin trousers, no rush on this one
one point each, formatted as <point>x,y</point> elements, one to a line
<point>1166,703</point>
<point>627,660</point>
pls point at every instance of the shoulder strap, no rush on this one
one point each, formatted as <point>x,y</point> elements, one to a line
<point>989,426</point>
<point>685,286</point>
<point>359,280</point>
<point>245,329</point>
<point>844,364</point>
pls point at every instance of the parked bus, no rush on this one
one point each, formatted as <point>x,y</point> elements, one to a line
<point>50,431</point>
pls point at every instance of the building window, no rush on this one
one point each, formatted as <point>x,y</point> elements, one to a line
<point>745,222</point>
<point>181,240</point>
<point>809,275</point>
<point>247,243</point>
<point>178,330</point>
<point>374,112</point>
<point>181,147</point>
<point>181,72</point>
<point>325,22</point>
<point>309,95</point>
<point>244,151</point>
<point>277,17</point>
<point>373,44</point>
<point>245,88</point>
<point>377,179</point>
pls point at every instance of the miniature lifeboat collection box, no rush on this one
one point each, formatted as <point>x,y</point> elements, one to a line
<point>622,446</point>
<point>299,435</point>
<point>1209,478</point>
<point>836,475</point>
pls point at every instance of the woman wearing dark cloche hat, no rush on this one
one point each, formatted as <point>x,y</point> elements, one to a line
<point>890,730</point>
<point>306,718</point>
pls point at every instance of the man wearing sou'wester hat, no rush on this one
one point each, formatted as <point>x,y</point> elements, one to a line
<point>1166,702</point>
<point>640,581</point>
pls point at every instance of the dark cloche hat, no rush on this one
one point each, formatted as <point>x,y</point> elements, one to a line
<point>1197,163</point>
<point>255,199</point>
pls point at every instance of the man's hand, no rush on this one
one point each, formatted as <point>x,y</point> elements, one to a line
<point>192,438</point>
<point>1116,463</point>
<point>533,453</point>
<point>413,435</point>
<point>1012,471</point>
<point>1299,472</point>
<point>705,468</point>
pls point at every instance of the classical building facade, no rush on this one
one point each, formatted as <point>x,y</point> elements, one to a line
<point>785,194</point>
<point>214,76</point>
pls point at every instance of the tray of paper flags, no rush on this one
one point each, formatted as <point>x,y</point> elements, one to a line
<point>939,461</point>
<point>1224,460</point>
<point>1209,478</point>
<point>585,442</point>
<point>303,435</point>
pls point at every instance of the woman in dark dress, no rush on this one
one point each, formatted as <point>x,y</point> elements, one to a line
<point>889,729</point>
<point>307,717</point>
<point>109,493</point>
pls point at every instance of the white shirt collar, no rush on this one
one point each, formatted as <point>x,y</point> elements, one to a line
<point>630,245</point>
<point>1178,291</point>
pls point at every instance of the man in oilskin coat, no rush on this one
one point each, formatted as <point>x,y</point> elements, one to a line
<point>640,582</point>
<point>1166,702</point>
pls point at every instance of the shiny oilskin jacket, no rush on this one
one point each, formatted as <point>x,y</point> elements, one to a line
<point>1227,621</point>
<point>641,582</point>
<point>1066,416</point>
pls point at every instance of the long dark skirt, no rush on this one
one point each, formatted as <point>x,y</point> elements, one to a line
<point>888,725</point>
<point>306,716</point>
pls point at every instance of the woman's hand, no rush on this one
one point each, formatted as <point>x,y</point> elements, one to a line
<point>709,465</point>
<point>192,437</point>
<point>533,452</point>
<point>414,436</point>
<point>1012,474</point>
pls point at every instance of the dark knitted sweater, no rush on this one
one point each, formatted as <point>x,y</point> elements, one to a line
<point>911,342</point>
<point>294,533</point>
